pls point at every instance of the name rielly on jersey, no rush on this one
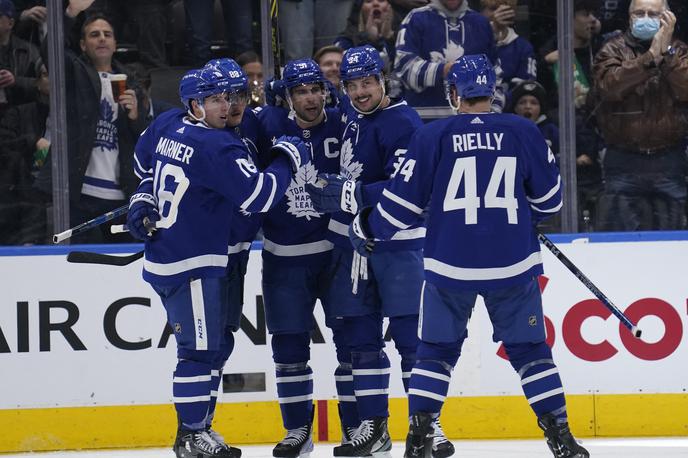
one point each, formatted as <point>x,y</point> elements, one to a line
<point>174,150</point>
<point>477,141</point>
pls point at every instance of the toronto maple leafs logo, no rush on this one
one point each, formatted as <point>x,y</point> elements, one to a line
<point>449,54</point>
<point>349,168</point>
<point>298,201</point>
<point>106,129</point>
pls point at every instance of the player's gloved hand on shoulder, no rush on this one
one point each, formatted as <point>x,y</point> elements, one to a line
<point>298,152</point>
<point>360,234</point>
<point>275,93</point>
<point>332,193</point>
<point>142,215</point>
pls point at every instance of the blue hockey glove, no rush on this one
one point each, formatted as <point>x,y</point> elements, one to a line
<point>298,152</point>
<point>275,93</point>
<point>359,233</point>
<point>142,215</point>
<point>332,193</point>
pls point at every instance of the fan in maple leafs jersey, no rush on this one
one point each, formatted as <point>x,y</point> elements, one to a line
<point>296,252</point>
<point>430,39</point>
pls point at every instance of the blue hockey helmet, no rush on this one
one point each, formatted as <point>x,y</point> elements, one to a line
<point>235,78</point>
<point>302,71</point>
<point>472,76</point>
<point>360,62</point>
<point>197,84</point>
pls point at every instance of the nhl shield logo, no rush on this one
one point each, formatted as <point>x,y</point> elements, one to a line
<point>532,320</point>
<point>177,328</point>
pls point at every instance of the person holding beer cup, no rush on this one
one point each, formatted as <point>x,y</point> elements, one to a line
<point>125,97</point>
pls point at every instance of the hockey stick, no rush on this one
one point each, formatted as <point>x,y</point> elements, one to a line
<point>97,221</point>
<point>274,26</point>
<point>88,257</point>
<point>586,281</point>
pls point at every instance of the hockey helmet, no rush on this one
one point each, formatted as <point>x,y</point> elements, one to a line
<point>472,76</point>
<point>302,71</point>
<point>197,84</point>
<point>360,62</point>
<point>236,79</point>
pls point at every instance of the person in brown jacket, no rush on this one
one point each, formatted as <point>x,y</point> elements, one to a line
<point>641,80</point>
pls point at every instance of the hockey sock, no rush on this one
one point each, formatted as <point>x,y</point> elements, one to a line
<point>431,375</point>
<point>295,393</point>
<point>191,391</point>
<point>344,381</point>
<point>216,375</point>
<point>371,383</point>
<point>428,386</point>
<point>294,377</point>
<point>404,330</point>
<point>539,378</point>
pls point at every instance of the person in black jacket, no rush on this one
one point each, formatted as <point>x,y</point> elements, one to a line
<point>101,131</point>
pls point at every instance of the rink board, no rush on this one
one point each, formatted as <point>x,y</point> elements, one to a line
<point>86,360</point>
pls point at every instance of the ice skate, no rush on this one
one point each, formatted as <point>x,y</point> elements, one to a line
<point>560,440</point>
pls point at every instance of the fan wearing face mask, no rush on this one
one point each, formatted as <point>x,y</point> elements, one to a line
<point>641,78</point>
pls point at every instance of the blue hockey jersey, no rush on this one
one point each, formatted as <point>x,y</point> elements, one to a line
<point>517,59</point>
<point>487,178</point>
<point>245,225</point>
<point>198,175</point>
<point>427,40</point>
<point>373,149</point>
<point>293,231</point>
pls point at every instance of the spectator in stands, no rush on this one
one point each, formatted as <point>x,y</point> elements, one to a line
<point>32,24</point>
<point>529,99</point>
<point>252,65</point>
<point>586,42</point>
<point>329,58</point>
<point>306,25</point>
<point>371,22</point>
<point>516,54</point>
<point>101,131</point>
<point>614,17</point>
<point>18,62</point>
<point>430,40</point>
<point>23,151</point>
<point>150,107</point>
<point>641,78</point>
<point>238,23</point>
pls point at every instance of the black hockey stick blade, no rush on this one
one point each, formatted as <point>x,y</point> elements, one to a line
<point>87,257</point>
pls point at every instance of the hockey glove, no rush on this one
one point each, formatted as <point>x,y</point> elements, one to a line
<point>359,233</point>
<point>298,152</point>
<point>332,193</point>
<point>142,215</point>
<point>275,93</point>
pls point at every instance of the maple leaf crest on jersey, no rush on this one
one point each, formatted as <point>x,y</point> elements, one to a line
<point>298,201</point>
<point>349,168</point>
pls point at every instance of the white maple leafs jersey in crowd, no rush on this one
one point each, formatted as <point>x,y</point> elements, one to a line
<point>372,151</point>
<point>199,176</point>
<point>487,178</point>
<point>294,231</point>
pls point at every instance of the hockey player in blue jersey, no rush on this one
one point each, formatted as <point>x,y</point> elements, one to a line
<point>243,122</point>
<point>362,291</point>
<point>192,177</point>
<point>296,251</point>
<point>486,179</point>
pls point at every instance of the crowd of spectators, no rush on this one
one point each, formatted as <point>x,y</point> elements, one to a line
<point>630,80</point>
